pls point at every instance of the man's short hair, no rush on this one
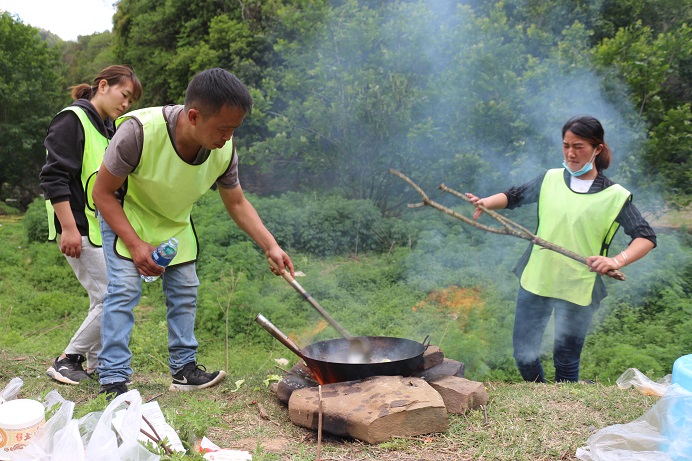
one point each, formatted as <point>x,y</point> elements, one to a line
<point>212,89</point>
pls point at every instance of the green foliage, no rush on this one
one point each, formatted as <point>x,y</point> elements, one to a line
<point>356,83</point>
<point>669,151</point>
<point>29,98</point>
<point>195,421</point>
<point>642,59</point>
<point>472,93</point>
<point>453,284</point>
<point>479,98</point>
<point>36,221</point>
<point>304,223</point>
<point>646,324</point>
<point>168,42</point>
<point>86,57</point>
<point>6,209</point>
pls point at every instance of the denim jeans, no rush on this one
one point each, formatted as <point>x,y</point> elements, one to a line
<point>571,325</point>
<point>124,292</point>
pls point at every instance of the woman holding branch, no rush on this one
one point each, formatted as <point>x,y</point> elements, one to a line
<point>580,209</point>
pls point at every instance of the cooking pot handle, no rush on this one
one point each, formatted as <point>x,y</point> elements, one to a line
<point>426,343</point>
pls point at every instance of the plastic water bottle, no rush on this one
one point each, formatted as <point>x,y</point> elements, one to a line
<point>163,255</point>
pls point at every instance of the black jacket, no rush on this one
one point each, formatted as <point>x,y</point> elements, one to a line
<point>60,176</point>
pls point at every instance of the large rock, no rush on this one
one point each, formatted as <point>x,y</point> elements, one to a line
<point>459,394</point>
<point>372,410</point>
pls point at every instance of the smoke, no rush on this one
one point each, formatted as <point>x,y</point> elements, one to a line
<point>482,110</point>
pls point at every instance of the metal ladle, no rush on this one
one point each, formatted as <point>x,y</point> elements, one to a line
<point>360,347</point>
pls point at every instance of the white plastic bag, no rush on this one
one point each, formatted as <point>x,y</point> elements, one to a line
<point>154,416</point>
<point>46,438</point>
<point>103,444</point>
<point>11,390</point>
<point>67,443</point>
<point>92,437</point>
<point>635,378</point>
<point>662,434</point>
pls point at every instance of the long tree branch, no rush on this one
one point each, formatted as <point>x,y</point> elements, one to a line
<point>509,227</point>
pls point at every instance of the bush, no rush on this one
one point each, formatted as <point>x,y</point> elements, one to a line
<point>35,221</point>
<point>6,209</point>
<point>306,223</point>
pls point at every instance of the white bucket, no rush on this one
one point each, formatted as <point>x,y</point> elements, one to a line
<point>19,420</point>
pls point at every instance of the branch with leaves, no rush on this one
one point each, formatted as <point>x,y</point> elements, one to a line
<point>509,227</point>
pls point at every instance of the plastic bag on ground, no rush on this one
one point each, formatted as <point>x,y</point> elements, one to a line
<point>103,444</point>
<point>90,438</point>
<point>635,378</point>
<point>67,443</point>
<point>154,416</point>
<point>11,391</point>
<point>42,444</point>
<point>662,434</point>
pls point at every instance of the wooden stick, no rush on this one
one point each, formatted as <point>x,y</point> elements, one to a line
<point>319,424</point>
<point>156,438</point>
<point>509,227</point>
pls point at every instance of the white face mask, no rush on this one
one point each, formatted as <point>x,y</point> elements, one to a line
<point>588,166</point>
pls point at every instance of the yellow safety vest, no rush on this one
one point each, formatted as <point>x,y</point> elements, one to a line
<point>163,187</point>
<point>95,145</point>
<point>583,223</point>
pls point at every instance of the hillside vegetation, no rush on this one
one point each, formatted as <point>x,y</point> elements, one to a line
<point>463,92</point>
<point>446,281</point>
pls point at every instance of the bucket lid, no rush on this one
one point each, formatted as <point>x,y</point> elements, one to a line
<point>21,413</point>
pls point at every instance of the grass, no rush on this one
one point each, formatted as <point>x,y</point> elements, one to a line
<point>524,421</point>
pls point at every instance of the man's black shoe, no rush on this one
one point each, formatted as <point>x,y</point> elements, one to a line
<point>193,376</point>
<point>113,390</point>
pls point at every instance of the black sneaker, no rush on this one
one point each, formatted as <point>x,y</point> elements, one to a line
<point>113,390</point>
<point>194,376</point>
<point>68,370</point>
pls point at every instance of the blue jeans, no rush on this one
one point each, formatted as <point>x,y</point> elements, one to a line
<point>571,325</point>
<point>117,319</point>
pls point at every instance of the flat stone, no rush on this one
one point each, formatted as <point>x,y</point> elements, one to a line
<point>448,367</point>
<point>290,383</point>
<point>372,410</point>
<point>459,394</point>
<point>432,356</point>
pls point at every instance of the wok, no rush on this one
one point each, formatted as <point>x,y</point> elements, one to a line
<point>333,361</point>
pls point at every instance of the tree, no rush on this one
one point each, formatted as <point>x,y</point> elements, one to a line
<point>347,101</point>
<point>669,153</point>
<point>29,97</point>
<point>167,42</point>
<point>86,57</point>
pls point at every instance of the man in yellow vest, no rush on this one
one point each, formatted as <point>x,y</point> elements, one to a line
<point>159,163</point>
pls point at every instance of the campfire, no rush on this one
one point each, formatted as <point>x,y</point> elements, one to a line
<point>379,407</point>
<point>371,388</point>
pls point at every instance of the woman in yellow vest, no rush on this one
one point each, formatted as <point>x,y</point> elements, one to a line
<point>75,143</point>
<point>580,209</point>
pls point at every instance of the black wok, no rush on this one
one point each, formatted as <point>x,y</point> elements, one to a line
<point>333,361</point>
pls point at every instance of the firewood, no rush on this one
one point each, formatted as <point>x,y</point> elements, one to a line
<point>509,227</point>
